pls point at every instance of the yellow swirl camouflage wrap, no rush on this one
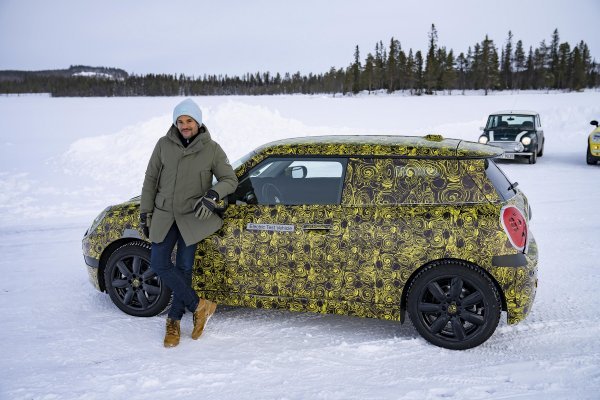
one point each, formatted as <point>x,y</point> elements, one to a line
<point>406,202</point>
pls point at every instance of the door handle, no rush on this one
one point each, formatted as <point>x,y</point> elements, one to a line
<point>317,227</point>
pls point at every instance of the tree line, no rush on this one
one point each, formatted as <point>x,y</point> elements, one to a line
<point>553,65</point>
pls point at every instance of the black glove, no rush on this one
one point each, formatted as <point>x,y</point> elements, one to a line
<point>145,219</point>
<point>205,206</point>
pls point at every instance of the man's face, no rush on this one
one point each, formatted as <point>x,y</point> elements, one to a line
<point>187,126</point>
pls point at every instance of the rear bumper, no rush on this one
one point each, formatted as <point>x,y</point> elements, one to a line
<point>510,260</point>
<point>517,276</point>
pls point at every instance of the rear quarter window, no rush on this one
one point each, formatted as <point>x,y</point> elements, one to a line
<point>498,180</point>
<point>392,181</point>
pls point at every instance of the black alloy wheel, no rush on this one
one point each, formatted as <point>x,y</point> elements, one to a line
<point>134,287</point>
<point>454,305</point>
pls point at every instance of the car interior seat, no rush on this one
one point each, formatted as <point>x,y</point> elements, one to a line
<point>527,125</point>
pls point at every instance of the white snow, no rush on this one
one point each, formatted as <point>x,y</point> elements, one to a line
<point>62,160</point>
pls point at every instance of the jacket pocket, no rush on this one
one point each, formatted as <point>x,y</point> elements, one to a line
<point>159,201</point>
<point>206,180</point>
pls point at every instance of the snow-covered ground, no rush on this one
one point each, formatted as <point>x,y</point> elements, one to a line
<point>63,160</point>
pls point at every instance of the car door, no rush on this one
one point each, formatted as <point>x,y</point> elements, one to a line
<point>285,214</point>
<point>540,133</point>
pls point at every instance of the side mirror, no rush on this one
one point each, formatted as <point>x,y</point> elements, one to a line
<point>298,171</point>
<point>595,123</point>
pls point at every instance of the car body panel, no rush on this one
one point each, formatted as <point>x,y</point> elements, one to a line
<point>406,202</point>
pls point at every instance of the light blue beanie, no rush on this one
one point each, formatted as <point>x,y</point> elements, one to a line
<point>187,107</point>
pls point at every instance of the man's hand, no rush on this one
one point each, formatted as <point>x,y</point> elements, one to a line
<point>145,219</point>
<point>206,205</point>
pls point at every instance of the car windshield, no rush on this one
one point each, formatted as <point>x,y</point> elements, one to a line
<point>237,163</point>
<point>510,121</point>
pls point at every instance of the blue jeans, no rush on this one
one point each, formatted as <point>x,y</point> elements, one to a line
<point>177,277</point>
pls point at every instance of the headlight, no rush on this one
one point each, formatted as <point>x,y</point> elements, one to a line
<point>526,140</point>
<point>483,139</point>
<point>97,220</point>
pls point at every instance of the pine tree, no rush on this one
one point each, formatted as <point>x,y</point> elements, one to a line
<point>369,73</point>
<point>462,65</point>
<point>487,65</point>
<point>402,69</point>
<point>356,67</point>
<point>448,80</point>
<point>520,65</point>
<point>392,66</point>
<point>529,70</point>
<point>554,58</point>
<point>507,61</point>
<point>562,71</point>
<point>418,72</point>
<point>432,64</point>
<point>411,79</point>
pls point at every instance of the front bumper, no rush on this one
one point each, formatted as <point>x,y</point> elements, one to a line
<point>511,155</point>
<point>92,264</point>
<point>513,149</point>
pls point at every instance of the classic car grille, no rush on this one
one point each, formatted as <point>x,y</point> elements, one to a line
<point>508,146</point>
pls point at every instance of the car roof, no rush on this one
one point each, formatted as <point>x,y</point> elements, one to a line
<point>516,112</point>
<point>430,146</point>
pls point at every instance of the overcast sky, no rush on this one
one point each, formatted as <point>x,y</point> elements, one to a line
<point>238,36</point>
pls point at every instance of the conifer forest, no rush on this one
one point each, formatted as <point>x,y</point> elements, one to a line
<point>389,67</point>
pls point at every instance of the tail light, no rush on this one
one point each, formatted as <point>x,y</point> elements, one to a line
<point>515,225</point>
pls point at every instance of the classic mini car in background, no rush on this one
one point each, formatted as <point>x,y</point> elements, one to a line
<point>518,133</point>
<point>593,147</point>
<point>370,226</point>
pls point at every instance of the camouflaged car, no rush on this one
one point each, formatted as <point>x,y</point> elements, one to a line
<point>370,226</point>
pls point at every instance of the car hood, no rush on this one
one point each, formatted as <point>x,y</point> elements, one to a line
<point>505,134</point>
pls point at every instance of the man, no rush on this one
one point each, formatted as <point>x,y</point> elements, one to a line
<point>177,207</point>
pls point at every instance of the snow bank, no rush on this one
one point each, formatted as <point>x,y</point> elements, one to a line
<point>63,160</point>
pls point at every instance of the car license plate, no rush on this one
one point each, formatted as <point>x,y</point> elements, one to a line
<point>508,156</point>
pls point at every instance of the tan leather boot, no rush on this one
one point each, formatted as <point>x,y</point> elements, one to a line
<point>172,333</point>
<point>204,311</point>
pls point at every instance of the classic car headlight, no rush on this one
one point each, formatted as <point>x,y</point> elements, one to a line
<point>483,139</point>
<point>97,220</point>
<point>526,140</point>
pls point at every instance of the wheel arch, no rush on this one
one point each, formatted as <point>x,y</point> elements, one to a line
<point>412,277</point>
<point>108,250</point>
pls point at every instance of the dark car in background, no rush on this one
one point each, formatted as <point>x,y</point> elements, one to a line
<point>518,133</point>
<point>369,226</point>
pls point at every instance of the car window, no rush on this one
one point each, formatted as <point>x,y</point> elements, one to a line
<point>499,180</point>
<point>513,121</point>
<point>293,181</point>
<point>388,181</point>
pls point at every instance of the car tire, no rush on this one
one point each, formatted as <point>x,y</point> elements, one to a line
<point>132,286</point>
<point>533,158</point>
<point>541,152</point>
<point>591,160</point>
<point>454,305</point>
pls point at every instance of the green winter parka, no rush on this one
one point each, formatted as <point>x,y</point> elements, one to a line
<point>177,177</point>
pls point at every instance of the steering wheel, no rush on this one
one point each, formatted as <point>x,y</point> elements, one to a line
<point>271,194</point>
